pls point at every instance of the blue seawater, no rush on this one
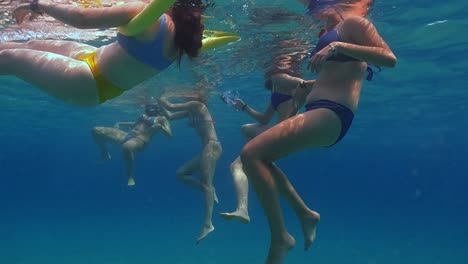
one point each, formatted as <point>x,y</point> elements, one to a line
<point>393,191</point>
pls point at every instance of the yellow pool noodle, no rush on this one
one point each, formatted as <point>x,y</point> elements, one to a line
<point>212,38</point>
<point>215,42</point>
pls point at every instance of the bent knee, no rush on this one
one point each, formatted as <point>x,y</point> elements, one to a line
<point>236,164</point>
<point>246,131</point>
<point>97,130</point>
<point>248,154</point>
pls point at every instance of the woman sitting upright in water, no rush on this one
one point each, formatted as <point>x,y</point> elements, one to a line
<point>340,58</point>
<point>85,75</point>
<point>199,118</point>
<point>282,87</point>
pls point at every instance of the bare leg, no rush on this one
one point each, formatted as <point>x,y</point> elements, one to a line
<point>129,148</point>
<point>242,190</point>
<point>102,135</point>
<point>62,47</point>
<point>45,70</point>
<point>240,179</point>
<point>315,128</point>
<point>250,131</point>
<point>307,217</point>
<point>266,190</point>
<point>185,173</point>
<point>210,156</point>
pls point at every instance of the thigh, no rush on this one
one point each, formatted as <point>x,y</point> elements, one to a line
<point>133,144</point>
<point>62,47</point>
<point>210,155</point>
<point>190,166</point>
<point>112,134</point>
<point>252,130</point>
<point>62,77</point>
<point>315,128</point>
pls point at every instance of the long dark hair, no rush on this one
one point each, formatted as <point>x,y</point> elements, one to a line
<point>186,15</point>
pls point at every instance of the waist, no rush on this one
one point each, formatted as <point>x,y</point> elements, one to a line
<point>347,96</point>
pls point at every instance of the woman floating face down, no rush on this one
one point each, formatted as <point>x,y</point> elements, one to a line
<point>85,75</point>
<point>347,46</point>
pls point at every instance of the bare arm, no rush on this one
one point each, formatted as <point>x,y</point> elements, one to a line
<point>188,106</point>
<point>285,83</point>
<point>80,17</point>
<point>262,118</point>
<point>300,94</point>
<point>165,126</point>
<point>173,115</point>
<point>366,43</point>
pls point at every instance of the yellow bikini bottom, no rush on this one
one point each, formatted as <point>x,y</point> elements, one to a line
<point>106,90</point>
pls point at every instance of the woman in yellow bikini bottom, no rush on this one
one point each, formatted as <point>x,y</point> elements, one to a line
<point>106,90</point>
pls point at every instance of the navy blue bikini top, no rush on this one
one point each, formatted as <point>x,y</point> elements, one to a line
<point>326,39</point>
<point>332,36</point>
<point>278,98</point>
<point>151,52</point>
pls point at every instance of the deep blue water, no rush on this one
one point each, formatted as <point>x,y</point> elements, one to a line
<point>393,191</point>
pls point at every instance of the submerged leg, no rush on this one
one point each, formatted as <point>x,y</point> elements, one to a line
<point>242,190</point>
<point>102,135</point>
<point>59,76</point>
<point>316,128</point>
<point>209,159</point>
<point>306,216</point>
<point>267,192</point>
<point>129,148</point>
<point>62,47</point>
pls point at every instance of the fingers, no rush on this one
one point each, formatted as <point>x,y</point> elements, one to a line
<point>312,66</point>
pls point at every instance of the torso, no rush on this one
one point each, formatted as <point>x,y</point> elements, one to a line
<point>201,120</point>
<point>144,129</point>
<point>344,90</point>
<point>123,70</point>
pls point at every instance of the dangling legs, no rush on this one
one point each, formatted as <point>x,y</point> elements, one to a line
<point>307,217</point>
<point>315,128</point>
<point>129,148</point>
<point>184,173</point>
<point>102,135</point>
<point>210,155</point>
<point>242,190</point>
<point>240,179</point>
<point>209,158</point>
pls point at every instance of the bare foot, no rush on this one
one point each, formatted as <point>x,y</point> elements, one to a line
<point>309,226</point>
<point>279,250</point>
<point>239,214</point>
<point>131,182</point>
<point>205,231</point>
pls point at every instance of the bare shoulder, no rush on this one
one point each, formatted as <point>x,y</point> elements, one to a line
<point>361,31</point>
<point>354,23</point>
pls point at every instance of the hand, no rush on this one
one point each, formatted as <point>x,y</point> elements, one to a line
<point>316,62</point>
<point>163,101</point>
<point>22,11</point>
<point>239,104</point>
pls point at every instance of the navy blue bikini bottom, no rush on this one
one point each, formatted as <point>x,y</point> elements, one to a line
<point>344,113</point>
